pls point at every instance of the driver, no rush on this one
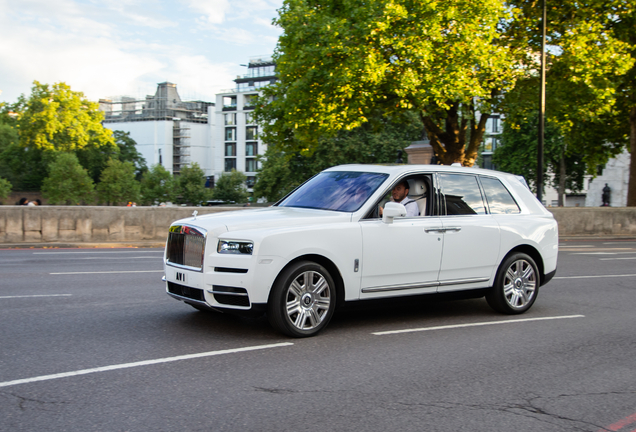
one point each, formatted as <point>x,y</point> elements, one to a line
<point>400,194</point>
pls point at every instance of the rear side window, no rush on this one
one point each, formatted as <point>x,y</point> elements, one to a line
<point>462,195</point>
<point>499,199</point>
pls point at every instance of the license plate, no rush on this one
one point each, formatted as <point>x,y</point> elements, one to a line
<point>180,277</point>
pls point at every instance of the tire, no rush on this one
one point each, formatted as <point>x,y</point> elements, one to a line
<point>303,300</point>
<point>516,286</point>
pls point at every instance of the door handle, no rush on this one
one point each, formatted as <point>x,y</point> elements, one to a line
<point>456,229</point>
<point>436,229</point>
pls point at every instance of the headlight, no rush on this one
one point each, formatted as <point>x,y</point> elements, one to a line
<point>235,247</point>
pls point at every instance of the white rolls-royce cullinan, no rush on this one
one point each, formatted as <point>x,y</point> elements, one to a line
<point>357,232</point>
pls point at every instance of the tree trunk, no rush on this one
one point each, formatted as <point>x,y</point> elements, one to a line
<point>561,190</point>
<point>631,188</point>
<point>449,141</point>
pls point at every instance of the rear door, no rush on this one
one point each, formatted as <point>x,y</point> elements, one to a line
<point>471,235</point>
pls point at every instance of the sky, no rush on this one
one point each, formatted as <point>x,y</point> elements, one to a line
<point>110,48</point>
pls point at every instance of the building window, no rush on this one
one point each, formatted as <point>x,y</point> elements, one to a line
<point>251,149</point>
<point>229,102</point>
<point>249,118</point>
<point>490,144</point>
<point>230,119</point>
<point>250,100</point>
<point>250,181</point>
<point>250,165</point>
<point>251,133</point>
<point>230,134</point>
<point>160,159</point>
<point>230,164</point>
<point>230,149</point>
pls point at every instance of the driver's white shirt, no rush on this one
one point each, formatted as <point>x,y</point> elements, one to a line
<point>412,208</point>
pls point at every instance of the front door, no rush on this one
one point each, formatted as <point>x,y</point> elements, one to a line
<point>401,258</point>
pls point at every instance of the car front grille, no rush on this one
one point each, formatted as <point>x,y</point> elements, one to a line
<point>186,246</point>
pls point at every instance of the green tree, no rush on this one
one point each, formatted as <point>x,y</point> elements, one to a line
<point>157,185</point>
<point>191,185</point>
<point>55,118</point>
<point>591,76</point>
<point>95,158</point>
<point>68,182</point>
<point>5,188</point>
<point>128,152</point>
<point>118,184</point>
<point>282,171</point>
<point>339,61</point>
<point>520,146</point>
<point>231,187</point>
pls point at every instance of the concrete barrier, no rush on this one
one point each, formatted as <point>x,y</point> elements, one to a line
<point>595,221</point>
<point>92,224</point>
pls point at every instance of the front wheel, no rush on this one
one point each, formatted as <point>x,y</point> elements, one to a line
<point>303,300</point>
<point>516,285</point>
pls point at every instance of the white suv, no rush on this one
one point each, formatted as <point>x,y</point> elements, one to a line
<point>340,237</point>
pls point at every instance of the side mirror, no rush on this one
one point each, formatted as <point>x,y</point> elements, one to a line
<point>392,210</point>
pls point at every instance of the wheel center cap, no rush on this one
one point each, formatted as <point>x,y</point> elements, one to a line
<point>306,299</point>
<point>518,283</point>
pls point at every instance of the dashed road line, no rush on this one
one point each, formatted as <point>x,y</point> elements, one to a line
<point>108,272</point>
<point>36,295</point>
<point>141,363</point>
<point>594,276</point>
<point>477,324</point>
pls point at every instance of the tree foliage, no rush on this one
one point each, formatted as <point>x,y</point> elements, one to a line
<point>283,170</point>
<point>584,70</point>
<point>5,188</point>
<point>191,185</point>
<point>157,185</point>
<point>56,118</point>
<point>339,61</point>
<point>117,184</point>
<point>95,158</point>
<point>68,182</point>
<point>518,154</point>
<point>231,187</point>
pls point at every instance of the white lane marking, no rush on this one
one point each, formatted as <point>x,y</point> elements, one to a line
<point>614,259</point>
<point>600,253</point>
<point>120,258</point>
<point>93,252</point>
<point>593,276</point>
<point>105,272</point>
<point>140,363</point>
<point>478,324</point>
<point>572,246</point>
<point>39,295</point>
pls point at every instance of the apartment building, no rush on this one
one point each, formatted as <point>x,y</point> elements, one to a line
<point>167,130</point>
<point>237,135</point>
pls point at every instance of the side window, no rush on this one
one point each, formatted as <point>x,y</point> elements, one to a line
<point>499,199</point>
<point>462,195</point>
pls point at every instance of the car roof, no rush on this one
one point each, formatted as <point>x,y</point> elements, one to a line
<point>397,169</point>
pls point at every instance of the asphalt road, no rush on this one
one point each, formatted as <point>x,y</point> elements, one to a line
<point>89,341</point>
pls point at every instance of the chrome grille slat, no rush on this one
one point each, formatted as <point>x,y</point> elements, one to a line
<point>186,246</point>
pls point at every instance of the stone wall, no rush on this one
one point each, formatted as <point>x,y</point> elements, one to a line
<point>91,223</point>
<point>595,221</point>
<point>65,224</point>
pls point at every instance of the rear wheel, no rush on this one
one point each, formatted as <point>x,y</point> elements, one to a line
<point>516,285</point>
<point>303,300</point>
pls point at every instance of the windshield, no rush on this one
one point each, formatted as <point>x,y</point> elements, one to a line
<point>335,190</point>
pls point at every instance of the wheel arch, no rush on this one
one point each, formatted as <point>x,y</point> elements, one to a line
<point>534,254</point>
<point>327,264</point>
